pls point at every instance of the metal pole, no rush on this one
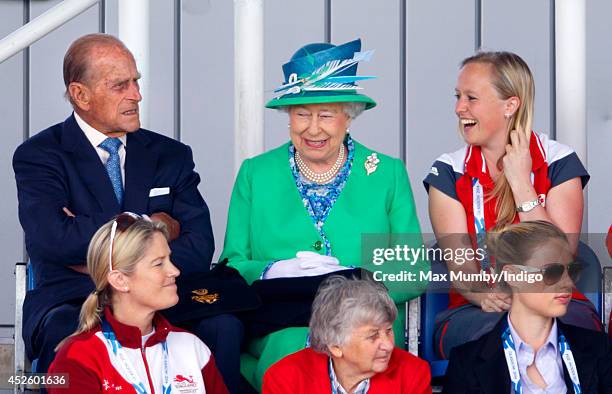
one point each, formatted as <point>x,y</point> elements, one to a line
<point>20,292</point>
<point>570,86</point>
<point>570,62</point>
<point>248,79</point>
<point>41,26</point>
<point>134,32</point>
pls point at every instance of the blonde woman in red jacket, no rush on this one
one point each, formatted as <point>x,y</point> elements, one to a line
<point>123,344</point>
<point>352,347</point>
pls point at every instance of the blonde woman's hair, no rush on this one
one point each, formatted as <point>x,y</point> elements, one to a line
<point>129,246</point>
<point>515,243</point>
<point>511,77</point>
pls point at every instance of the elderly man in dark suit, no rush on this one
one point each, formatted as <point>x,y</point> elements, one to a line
<point>76,175</point>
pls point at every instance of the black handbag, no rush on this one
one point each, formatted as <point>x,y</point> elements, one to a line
<point>206,294</point>
<point>287,302</point>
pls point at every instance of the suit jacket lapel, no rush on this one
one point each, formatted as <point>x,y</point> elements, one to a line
<point>140,169</point>
<point>568,381</point>
<point>88,165</point>
<point>585,364</point>
<point>492,368</point>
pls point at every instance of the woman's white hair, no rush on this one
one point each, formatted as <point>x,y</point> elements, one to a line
<point>352,109</point>
<point>342,305</point>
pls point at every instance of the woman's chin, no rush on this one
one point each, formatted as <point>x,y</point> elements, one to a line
<point>558,310</point>
<point>170,302</point>
<point>380,365</point>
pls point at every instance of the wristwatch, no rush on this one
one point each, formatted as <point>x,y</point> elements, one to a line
<point>529,205</point>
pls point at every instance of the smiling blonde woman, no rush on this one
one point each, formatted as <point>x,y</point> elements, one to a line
<point>506,173</point>
<point>122,343</point>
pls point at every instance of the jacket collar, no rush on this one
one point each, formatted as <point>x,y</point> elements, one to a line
<point>475,165</point>
<point>140,168</point>
<point>88,165</point>
<point>94,136</point>
<point>318,364</point>
<point>130,336</point>
<point>492,369</point>
<point>493,360</point>
<point>585,355</point>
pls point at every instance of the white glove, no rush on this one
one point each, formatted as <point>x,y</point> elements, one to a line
<point>304,264</point>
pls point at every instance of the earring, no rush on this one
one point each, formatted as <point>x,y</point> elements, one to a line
<point>507,116</point>
<point>348,130</point>
<point>288,126</point>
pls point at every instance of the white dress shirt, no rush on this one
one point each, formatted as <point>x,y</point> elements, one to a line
<point>548,361</point>
<point>95,138</point>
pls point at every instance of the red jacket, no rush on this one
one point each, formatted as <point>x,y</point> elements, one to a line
<point>89,361</point>
<point>307,372</point>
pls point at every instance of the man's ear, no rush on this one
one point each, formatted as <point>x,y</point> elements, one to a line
<point>512,105</point>
<point>80,95</point>
<point>118,281</point>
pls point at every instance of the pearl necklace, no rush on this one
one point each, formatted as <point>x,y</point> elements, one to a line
<point>324,177</point>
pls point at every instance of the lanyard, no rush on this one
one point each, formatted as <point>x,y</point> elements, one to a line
<point>479,221</point>
<point>118,353</point>
<point>513,368</point>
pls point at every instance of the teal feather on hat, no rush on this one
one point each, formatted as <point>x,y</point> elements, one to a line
<point>319,73</point>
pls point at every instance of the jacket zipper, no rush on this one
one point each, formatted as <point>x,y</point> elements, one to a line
<point>144,359</point>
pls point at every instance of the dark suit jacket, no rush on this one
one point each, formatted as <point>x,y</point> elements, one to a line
<point>480,366</point>
<point>59,167</point>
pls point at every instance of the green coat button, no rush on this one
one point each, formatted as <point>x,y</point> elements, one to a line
<point>317,245</point>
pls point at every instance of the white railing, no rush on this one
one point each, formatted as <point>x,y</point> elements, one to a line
<point>41,26</point>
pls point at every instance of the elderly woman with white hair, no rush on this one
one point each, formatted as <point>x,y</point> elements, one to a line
<point>302,210</point>
<point>352,347</point>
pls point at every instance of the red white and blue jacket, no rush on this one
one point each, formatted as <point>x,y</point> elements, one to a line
<point>552,163</point>
<point>94,365</point>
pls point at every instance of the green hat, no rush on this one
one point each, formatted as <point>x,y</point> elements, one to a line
<point>323,73</point>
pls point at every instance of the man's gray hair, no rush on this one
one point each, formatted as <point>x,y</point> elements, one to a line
<point>342,305</point>
<point>78,57</point>
<point>352,108</point>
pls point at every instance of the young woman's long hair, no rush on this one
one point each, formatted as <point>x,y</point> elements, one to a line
<point>511,77</point>
<point>129,246</point>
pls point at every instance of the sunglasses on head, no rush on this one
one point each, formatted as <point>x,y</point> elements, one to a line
<point>552,273</point>
<point>121,223</point>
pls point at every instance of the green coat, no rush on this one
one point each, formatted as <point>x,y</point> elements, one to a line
<point>267,221</point>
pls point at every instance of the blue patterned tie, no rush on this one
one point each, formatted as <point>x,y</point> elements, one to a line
<point>113,165</point>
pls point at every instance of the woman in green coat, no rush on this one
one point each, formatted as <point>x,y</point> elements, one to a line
<point>322,202</point>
